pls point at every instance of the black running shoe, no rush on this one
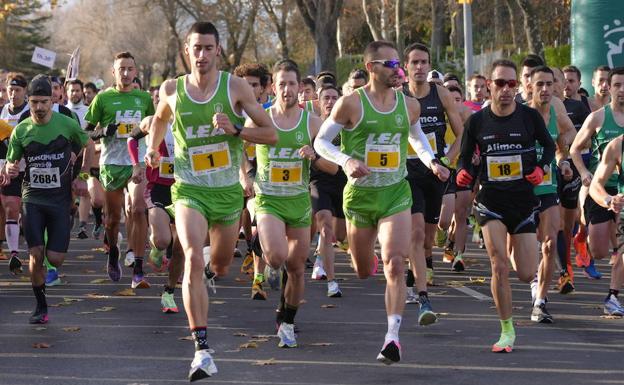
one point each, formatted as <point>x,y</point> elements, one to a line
<point>541,315</point>
<point>15,265</point>
<point>390,353</point>
<point>39,316</point>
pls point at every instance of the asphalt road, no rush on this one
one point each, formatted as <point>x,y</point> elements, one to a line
<point>96,336</point>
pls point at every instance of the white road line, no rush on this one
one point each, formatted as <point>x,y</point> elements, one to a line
<point>474,293</point>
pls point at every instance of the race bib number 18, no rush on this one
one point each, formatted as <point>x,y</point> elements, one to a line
<point>504,168</point>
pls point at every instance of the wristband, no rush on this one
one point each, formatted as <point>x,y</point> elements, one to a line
<point>445,161</point>
<point>238,129</point>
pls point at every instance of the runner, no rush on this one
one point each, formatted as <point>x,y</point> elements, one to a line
<point>111,117</point>
<point>49,142</point>
<point>374,123</point>
<point>478,92</point>
<point>529,62</point>
<point>601,88</point>
<point>207,108</point>
<point>508,171</point>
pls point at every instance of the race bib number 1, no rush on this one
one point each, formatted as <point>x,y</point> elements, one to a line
<point>45,177</point>
<point>504,168</point>
<point>382,157</point>
<point>210,158</point>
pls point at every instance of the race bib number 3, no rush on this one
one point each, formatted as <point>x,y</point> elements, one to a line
<point>382,158</point>
<point>166,168</point>
<point>504,168</point>
<point>45,177</point>
<point>210,158</point>
<point>431,138</point>
<point>285,173</point>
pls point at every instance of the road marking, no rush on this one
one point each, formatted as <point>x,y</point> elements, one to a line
<point>474,293</point>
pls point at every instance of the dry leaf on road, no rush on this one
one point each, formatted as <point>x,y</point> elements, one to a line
<point>41,345</point>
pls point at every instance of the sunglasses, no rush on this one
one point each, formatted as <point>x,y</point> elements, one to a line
<point>502,83</point>
<point>388,63</point>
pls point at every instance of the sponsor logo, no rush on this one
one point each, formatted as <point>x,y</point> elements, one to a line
<point>503,147</point>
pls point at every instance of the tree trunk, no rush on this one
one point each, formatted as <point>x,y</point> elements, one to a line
<point>456,37</point>
<point>399,11</point>
<point>437,29</point>
<point>279,23</point>
<point>512,21</point>
<point>383,20</point>
<point>370,21</point>
<point>497,23</point>
<point>531,26</point>
<point>321,18</point>
<point>339,36</point>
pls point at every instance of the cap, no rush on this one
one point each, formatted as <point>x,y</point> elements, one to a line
<point>18,81</point>
<point>433,74</point>
<point>40,86</point>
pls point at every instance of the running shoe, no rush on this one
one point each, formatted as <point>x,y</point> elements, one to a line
<point>534,287</point>
<point>440,237</point>
<point>52,278</point>
<point>203,366</point>
<point>308,263</point>
<point>247,267</point>
<point>286,334</point>
<point>333,290</point>
<point>565,284</point>
<point>82,232</point>
<point>139,282</point>
<point>390,353</point>
<point>15,265</point>
<point>156,258</point>
<point>273,277</point>
<point>429,276</point>
<point>318,273</point>
<point>113,267</point>
<point>167,303</point>
<point>448,256</point>
<point>257,293</point>
<point>505,343</point>
<point>591,272</point>
<point>343,245</point>
<point>426,316</point>
<point>237,253</point>
<point>129,259</point>
<point>39,316</point>
<point>411,297</point>
<point>458,264</point>
<point>97,231</point>
<point>541,315</point>
<point>613,307</point>
<point>580,245</point>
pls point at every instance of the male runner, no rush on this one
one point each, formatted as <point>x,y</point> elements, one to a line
<point>50,143</point>
<point>478,92</point>
<point>111,117</point>
<point>506,133</point>
<point>90,90</point>
<point>601,88</point>
<point>207,107</point>
<point>529,62</point>
<point>374,123</point>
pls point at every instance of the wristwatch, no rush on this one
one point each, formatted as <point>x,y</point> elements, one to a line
<point>84,176</point>
<point>238,129</point>
<point>607,200</point>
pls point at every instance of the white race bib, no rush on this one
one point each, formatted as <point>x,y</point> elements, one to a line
<point>210,158</point>
<point>45,177</point>
<point>504,168</point>
<point>382,157</point>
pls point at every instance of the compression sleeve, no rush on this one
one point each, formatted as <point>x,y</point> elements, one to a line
<point>323,143</point>
<point>133,150</point>
<point>421,145</point>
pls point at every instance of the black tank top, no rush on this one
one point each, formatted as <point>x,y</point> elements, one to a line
<point>577,112</point>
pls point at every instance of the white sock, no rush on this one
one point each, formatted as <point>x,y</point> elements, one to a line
<point>11,230</point>
<point>394,324</point>
<point>539,301</point>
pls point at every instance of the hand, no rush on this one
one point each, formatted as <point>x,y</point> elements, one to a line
<point>12,169</point>
<point>566,171</point>
<point>617,203</point>
<point>307,152</point>
<point>80,187</point>
<point>476,159</point>
<point>586,178</point>
<point>440,171</point>
<point>4,178</point>
<point>463,179</point>
<point>111,129</point>
<point>356,168</point>
<point>536,177</point>
<point>152,158</point>
<point>248,190</point>
<point>222,122</point>
<point>137,174</point>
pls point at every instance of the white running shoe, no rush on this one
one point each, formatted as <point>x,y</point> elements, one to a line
<point>286,334</point>
<point>318,273</point>
<point>333,290</point>
<point>411,297</point>
<point>202,366</point>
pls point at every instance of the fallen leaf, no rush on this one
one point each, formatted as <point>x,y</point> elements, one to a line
<point>22,312</point>
<point>24,278</point>
<point>71,329</point>
<point>96,295</point>
<point>88,271</point>
<point>611,316</point>
<point>454,283</point>
<point>41,345</point>
<point>321,344</point>
<point>328,306</point>
<point>101,249</point>
<point>99,280</point>
<point>105,308</point>
<point>441,292</point>
<point>125,293</point>
<point>70,300</point>
<point>217,302</point>
<point>85,312</point>
<point>40,328</point>
<point>259,340</point>
<point>85,257</point>
<point>477,280</point>
<point>239,334</point>
<point>248,345</point>
<point>270,361</point>
<point>187,338</point>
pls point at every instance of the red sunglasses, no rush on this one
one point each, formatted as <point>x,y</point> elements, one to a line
<point>502,83</point>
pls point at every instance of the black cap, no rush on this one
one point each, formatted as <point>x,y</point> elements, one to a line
<point>40,86</point>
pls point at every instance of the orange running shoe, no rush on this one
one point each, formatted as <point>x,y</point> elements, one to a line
<point>580,245</point>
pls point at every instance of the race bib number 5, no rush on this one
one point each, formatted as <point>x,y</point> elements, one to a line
<point>382,157</point>
<point>210,158</point>
<point>504,168</point>
<point>45,177</point>
<point>166,168</point>
<point>285,173</point>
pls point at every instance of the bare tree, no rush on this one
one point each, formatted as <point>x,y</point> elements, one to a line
<point>377,14</point>
<point>172,11</point>
<point>456,36</point>
<point>399,11</point>
<point>280,22</point>
<point>371,20</point>
<point>437,28</point>
<point>321,18</point>
<point>515,41</point>
<point>531,26</point>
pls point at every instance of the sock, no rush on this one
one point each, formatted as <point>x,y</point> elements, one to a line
<point>282,303</point>
<point>138,265</point>
<point>199,336</point>
<point>612,292</point>
<point>169,251</point>
<point>507,326</point>
<point>40,296</point>
<point>97,213</point>
<point>508,334</point>
<point>451,245</point>
<point>11,229</point>
<point>561,250</point>
<point>410,280</point>
<point>429,261</point>
<point>394,324</point>
<point>258,278</point>
<point>289,313</point>
<point>538,302</point>
<point>169,289</point>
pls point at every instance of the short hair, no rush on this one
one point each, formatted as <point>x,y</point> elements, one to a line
<point>533,60</point>
<point>203,28</point>
<point>74,81</point>
<point>326,77</point>
<point>308,82</point>
<point>359,74</point>
<point>416,46</point>
<point>17,79</point>
<point>455,89</point>
<point>154,88</point>
<point>124,55</point>
<point>583,91</point>
<point>287,65</point>
<point>539,69</point>
<point>572,69</point>
<point>371,49</point>
<point>329,87</point>
<point>615,71</point>
<point>253,69</point>
<point>602,68</point>
<point>91,86</point>
<point>450,76</point>
<point>503,63</point>
<point>476,76</point>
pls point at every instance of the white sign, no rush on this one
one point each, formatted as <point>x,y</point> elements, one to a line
<point>44,57</point>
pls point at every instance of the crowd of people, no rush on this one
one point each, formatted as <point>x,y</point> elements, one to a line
<point>399,157</point>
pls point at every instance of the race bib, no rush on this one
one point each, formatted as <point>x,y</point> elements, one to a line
<point>166,167</point>
<point>45,177</point>
<point>210,158</point>
<point>251,151</point>
<point>285,173</point>
<point>125,128</point>
<point>547,180</point>
<point>382,157</point>
<point>504,168</point>
<point>431,138</point>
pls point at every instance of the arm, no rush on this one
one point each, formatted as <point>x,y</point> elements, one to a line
<point>158,127</point>
<point>583,141</point>
<point>455,120</point>
<point>566,129</point>
<point>262,131</point>
<point>318,162</point>
<point>612,157</point>
<point>468,145</point>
